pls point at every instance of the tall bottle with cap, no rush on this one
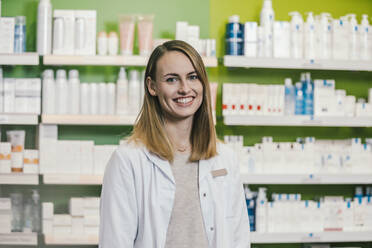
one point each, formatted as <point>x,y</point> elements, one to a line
<point>44,27</point>
<point>61,92</point>
<point>289,101</point>
<point>261,211</point>
<point>323,36</point>
<point>296,35</point>
<point>234,36</point>
<point>73,92</point>
<point>364,32</point>
<point>267,19</point>
<point>309,37</point>
<point>353,36</point>
<point>134,92</point>
<point>122,93</point>
<point>36,223</point>
<point>49,93</point>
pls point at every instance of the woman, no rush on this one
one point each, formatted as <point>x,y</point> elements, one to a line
<point>172,185</point>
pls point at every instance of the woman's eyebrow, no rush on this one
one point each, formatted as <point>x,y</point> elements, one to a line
<point>171,74</point>
<point>191,72</point>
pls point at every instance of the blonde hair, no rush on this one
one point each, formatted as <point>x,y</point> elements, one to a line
<point>149,127</point>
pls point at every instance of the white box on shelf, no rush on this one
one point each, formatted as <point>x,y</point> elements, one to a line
<point>102,155</point>
<point>31,161</point>
<point>68,156</point>
<point>91,220</point>
<point>47,209</point>
<point>5,157</point>
<point>47,226</point>
<point>1,93</point>
<point>5,204</point>
<point>91,212</point>
<point>91,202</point>
<point>281,38</point>
<point>64,32</point>
<point>77,224</point>
<point>59,230</point>
<point>86,157</point>
<point>91,230</point>
<point>76,206</point>
<point>62,220</point>
<point>250,39</point>
<point>85,32</point>
<point>9,95</point>
<point>48,135</point>
<point>7,34</point>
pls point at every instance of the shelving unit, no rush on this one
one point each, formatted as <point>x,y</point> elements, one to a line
<point>278,63</point>
<point>18,119</point>
<point>327,237</point>
<point>29,239</point>
<point>110,120</point>
<point>72,179</point>
<point>306,179</point>
<point>19,179</point>
<point>71,240</point>
<point>301,120</point>
<point>117,60</point>
<point>19,59</point>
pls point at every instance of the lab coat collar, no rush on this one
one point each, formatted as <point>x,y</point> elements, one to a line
<point>165,167</point>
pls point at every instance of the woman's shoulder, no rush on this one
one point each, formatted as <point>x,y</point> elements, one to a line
<point>130,150</point>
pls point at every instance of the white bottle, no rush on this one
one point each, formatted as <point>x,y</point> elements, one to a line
<point>49,91</point>
<point>61,92</point>
<point>261,211</point>
<point>74,92</point>
<point>296,35</point>
<point>111,97</point>
<point>102,43</point>
<point>134,92</point>
<point>309,37</point>
<point>363,38</point>
<point>113,43</point>
<point>84,99</point>
<point>44,27</point>
<point>323,34</point>
<point>353,36</point>
<point>122,93</point>
<point>94,96</point>
<point>267,18</point>
<point>102,102</point>
<point>58,35</point>
<point>340,38</point>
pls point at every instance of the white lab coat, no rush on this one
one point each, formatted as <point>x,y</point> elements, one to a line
<point>138,194</point>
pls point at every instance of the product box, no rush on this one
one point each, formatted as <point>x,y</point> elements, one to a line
<point>47,226</point>
<point>77,226</point>
<point>63,32</point>
<point>324,97</point>
<point>47,143</point>
<point>9,95</point>
<point>76,207</point>
<point>31,161</point>
<point>86,157</point>
<point>102,155</point>
<point>1,93</point>
<point>47,209</point>
<point>250,39</point>
<point>7,34</point>
<point>5,157</point>
<point>85,32</point>
<point>281,39</point>
<point>62,220</point>
<point>68,156</point>
<point>181,31</point>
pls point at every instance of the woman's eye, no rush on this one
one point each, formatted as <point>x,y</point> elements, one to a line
<point>193,77</point>
<point>171,80</point>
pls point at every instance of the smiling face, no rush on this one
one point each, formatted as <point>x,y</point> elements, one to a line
<point>177,86</point>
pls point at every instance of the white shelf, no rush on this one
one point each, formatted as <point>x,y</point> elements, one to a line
<point>327,237</point>
<point>110,120</point>
<point>18,239</point>
<point>73,179</point>
<point>18,119</point>
<point>332,121</point>
<point>19,178</point>
<point>19,59</point>
<point>118,60</point>
<point>71,239</point>
<point>306,179</point>
<point>343,65</point>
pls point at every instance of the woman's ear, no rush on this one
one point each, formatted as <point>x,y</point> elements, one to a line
<point>151,86</point>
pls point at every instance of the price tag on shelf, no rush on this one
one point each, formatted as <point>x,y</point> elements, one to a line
<point>311,237</point>
<point>4,119</point>
<point>311,178</point>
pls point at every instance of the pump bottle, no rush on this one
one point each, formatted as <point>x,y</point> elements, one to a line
<point>309,37</point>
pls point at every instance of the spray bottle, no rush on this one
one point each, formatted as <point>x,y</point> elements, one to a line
<point>353,36</point>
<point>297,24</point>
<point>309,37</point>
<point>267,23</point>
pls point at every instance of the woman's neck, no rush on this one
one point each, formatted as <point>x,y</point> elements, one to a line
<point>179,133</point>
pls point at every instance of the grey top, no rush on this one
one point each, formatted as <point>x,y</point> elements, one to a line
<point>186,228</point>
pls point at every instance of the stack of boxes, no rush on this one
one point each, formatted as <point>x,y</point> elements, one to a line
<point>5,215</point>
<point>82,220</point>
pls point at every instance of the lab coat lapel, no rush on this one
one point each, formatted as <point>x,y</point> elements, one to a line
<point>204,168</point>
<point>162,164</point>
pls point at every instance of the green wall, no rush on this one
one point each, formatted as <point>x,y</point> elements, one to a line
<point>211,16</point>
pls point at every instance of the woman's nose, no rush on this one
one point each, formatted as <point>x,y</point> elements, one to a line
<point>184,86</point>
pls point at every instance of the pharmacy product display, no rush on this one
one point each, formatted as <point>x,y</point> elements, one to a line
<point>20,95</point>
<point>13,156</point>
<point>13,34</point>
<point>289,213</point>
<point>20,213</point>
<point>69,96</point>
<point>191,35</point>
<point>83,218</point>
<point>74,32</point>
<point>305,156</point>
<point>318,97</point>
<point>312,38</point>
<point>71,156</point>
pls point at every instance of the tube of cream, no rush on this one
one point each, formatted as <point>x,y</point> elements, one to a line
<point>126,27</point>
<point>17,140</point>
<point>145,28</point>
